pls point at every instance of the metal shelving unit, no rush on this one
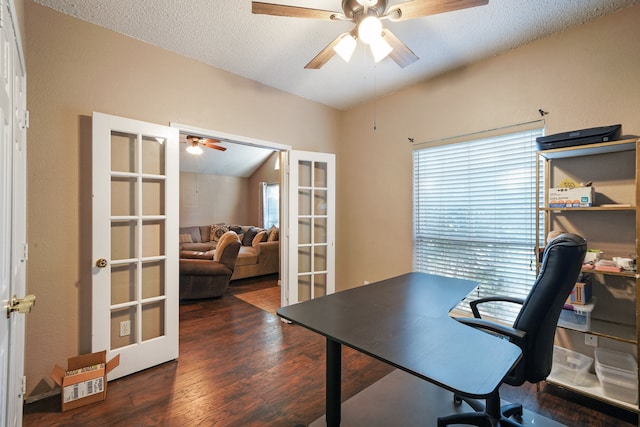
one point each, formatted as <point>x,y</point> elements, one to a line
<point>623,333</point>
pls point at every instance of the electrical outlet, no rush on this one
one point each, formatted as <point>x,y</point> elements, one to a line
<point>591,340</point>
<point>125,328</point>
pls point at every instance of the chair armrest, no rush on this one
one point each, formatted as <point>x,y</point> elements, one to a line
<point>516,336</point>
<point>473,304</point>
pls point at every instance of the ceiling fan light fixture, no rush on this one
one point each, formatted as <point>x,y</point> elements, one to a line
<point>369,29</point>
<point>380,49</point>
<point>194,149</point>
<point>345,47</point>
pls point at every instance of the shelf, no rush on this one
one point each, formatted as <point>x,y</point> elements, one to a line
<point>590,149</point>
<point>593,389</point>
<point>629,274</point>
<point>614,331</point>
<point>593,208</point>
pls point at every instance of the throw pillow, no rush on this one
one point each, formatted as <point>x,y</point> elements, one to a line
<point>260,237</point>
<point>193,231</point>
<point>185,238</point>
<point>274,234</point>
<point>247,240</point>
<point>223,242</point>
<point>217,230</point>
<point>236,229</point>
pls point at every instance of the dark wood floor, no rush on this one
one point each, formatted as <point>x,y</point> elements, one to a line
<point>241,366</point>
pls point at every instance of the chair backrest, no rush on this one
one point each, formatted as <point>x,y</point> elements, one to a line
<point>538,317</point>
<point>227,249</point>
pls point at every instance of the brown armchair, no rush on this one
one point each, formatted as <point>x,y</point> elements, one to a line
<point>206,278</point>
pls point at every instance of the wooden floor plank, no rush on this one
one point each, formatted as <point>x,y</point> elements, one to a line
<point>242,366</point>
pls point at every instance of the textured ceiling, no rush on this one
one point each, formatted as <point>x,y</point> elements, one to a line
<point>274,50</point>
<point>239,160</point>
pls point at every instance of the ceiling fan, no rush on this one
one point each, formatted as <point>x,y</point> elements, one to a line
<point>367,15</point>
<point>197,141</point>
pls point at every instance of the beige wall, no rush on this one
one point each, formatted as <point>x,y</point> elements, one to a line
<point>211,199</point>
<point>75,68</point>
<point>584,77</point>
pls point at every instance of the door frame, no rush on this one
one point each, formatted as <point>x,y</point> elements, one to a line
<point>283,149</point>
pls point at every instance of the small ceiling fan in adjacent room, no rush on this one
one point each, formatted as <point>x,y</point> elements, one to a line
<point>196,142</point>
<point>367,16</point>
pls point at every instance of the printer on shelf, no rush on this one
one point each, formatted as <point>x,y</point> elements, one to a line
<point>579,137</point>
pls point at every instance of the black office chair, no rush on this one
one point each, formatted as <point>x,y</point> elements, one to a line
<point>533,330</point>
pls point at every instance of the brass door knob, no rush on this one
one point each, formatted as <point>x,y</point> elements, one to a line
<point>101,263</point>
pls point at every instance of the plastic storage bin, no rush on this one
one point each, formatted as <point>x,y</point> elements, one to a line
<point>618,374</point>
<point>570,367</point>
<point>577,317</point>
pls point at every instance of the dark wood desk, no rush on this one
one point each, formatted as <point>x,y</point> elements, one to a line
<point>404,321</point>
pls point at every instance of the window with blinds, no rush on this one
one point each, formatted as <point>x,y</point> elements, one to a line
<point>475,215</point>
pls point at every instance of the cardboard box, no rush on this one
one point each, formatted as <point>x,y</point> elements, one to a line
<point>580,197</point>
<point>580,294</point>
<point>85,379</point>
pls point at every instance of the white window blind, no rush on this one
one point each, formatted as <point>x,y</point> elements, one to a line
<point>475,214</point>
<point>270,205</point>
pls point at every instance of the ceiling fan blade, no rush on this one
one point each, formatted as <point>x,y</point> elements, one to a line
<point>325,55</point>
<point>418,8</point>
<point>401,52</point>
<point>215,147</point>
<point>292,11</point>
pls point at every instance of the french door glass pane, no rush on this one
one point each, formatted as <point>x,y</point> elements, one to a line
<point>153,274</point>
<point>153,320</point>
<point>123,196</point>
<point>123,239</point>
<point>123,152</point>
<point>118,316</point>
<point>123,283</point>
<point>153,197</point>
<point>153,160</point>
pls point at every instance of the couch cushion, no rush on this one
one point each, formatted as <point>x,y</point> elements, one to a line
<point>260,237</point>
<point>205,233</point>
<point>247,256</point>
<point>186,238</point>
<point>194,232</point>
<point>217,230</point>
<point>249,234</point>
<point>273,234</point>
<point>196,255</point>
<point>236,229</point>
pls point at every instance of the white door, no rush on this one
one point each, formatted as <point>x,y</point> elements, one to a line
<point>311,226</point>
<point>135,242</point>
<point>13,247</point>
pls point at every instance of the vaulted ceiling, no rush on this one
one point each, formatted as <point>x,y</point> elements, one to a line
<point>274,50</point>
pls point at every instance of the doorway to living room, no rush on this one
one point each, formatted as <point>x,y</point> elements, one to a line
<point>229,184</point>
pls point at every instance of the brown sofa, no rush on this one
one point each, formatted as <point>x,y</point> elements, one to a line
<point>259,253</point>
<point>209,278</point>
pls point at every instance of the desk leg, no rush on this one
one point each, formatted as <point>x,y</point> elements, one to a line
<point>333,391</point>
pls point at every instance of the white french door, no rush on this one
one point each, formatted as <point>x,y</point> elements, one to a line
<point>135,242</point>
<point>311,226</point>
<point>13,243</point>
